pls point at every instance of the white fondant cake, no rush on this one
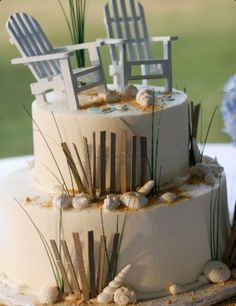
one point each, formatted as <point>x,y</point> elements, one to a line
<point>167,242</point>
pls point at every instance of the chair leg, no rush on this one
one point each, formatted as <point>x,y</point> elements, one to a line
<point>70,87</point>
<point>41,98</point>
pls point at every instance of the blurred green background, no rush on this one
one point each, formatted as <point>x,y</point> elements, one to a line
<point>203,57</point>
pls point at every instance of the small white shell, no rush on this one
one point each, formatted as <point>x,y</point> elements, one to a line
<point>106,296</point>
<point>216,271</point>
<point>48,295</point>
<point>147,187</point>
<point>130,91</point>
<point>61,200</point>
<point>145,97</point>
<point>200,169</point>
<point>133,200</point>
<point>168,197</point>
<point>111,202</point>
<point>124,296</point>
<point>210,179</point>
<point>81,201</point>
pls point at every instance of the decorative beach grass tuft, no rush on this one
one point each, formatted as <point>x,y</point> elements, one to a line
<point>75,20</point>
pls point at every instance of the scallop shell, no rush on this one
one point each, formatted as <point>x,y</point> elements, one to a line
<point>216,271</point>
<point>124,296</point>
<point>200,169</point>
<point>61,200</point>
<point>81,201</point>
<point>168,197</point>
<point>146,189</point>
<point>133,200</point>
<point>210,179</point>
<point>111,202</point>
<point>106,296</point>
<point>145,97</point>
<point>48,295</point>
<point>130,91</point>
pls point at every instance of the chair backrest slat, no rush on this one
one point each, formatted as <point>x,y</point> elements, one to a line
<point>131,51</point>
<point>30,40</point>
<point>119,15</point>
<point>108,24</point>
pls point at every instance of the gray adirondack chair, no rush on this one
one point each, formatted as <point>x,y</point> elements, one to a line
<point>50,66</point>
<point>125,19</point>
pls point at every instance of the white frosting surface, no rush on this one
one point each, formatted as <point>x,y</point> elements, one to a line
<point>73,125</point>
<point>165,244</point>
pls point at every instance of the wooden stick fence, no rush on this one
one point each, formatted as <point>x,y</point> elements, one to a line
<point>91,176</point>
<point>89,288</point>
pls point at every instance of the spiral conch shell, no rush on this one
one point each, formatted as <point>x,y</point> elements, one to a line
<point>216,271</point>
<point>81,201</point>
<point>133,200</point>
<point>61,200</point>
<point>146,189</point>
<point>145,97</point>
<point>130,91</point>
<point>111,202</point>
<point>48,295</point>
<point>106,296</point>
<point>124,296</point>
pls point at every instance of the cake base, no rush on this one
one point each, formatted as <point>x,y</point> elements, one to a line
<point>208,295</point>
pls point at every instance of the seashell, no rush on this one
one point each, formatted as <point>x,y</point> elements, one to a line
<point>125,296</point>
<point>133,200</point>
<point>200,169</point>
<point>48,295</point>
<point>146,189</point>
<point>168,197</point>
<point>196,151</point>
<point>81,201</point>
<point>130,91</point>
<point>106,296</point>
<point>209,160</point>
<point>216,169</point>
<point>111,202</point>
<point>216,271</point>
<point>145,97</point>
<point>210,179</point>
<point>109,96</point>
<point>61,200</point>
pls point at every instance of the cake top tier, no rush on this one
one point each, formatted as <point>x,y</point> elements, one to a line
<point>114,104</point>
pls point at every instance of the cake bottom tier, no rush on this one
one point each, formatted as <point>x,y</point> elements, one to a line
<point>165,244</point>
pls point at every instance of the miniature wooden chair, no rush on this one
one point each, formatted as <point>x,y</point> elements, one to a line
<point>50,66</point>
<point>125,19</point>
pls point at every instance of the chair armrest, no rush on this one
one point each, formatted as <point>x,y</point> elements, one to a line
<point>111,41</point>
<point>163,38</point>
<point>41,58</point>
<point>83,46</point>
